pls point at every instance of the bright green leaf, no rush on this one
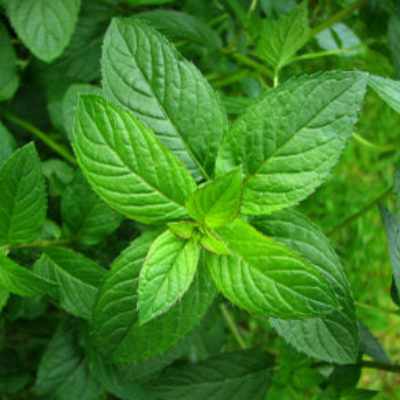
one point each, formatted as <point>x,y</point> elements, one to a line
<point>281,39</point>
<point>77,279</point>
<point>45,26</point>
<point>115,326</point>
<point>87,219</point>
<point>266,277</point>
<point>387,89</point>
<point>23,198</point>
<point>217,203</point>
<point>183,229</point>
<point>126,165</point>
<point>167,273</point>
<point>241,375</point>
<point>334,337</point>
<point>8,66</point>
<point>289,141</point>
<point>143,72</point>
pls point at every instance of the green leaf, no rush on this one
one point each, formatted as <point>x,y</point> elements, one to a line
<point>127,166</point>
<point>371,346</point>
<point>4,296</point>
<point>179,25</point>
<point>183,229</point>
<point>143,72</point>
<point>288,142</point>
<point>393,41</point>
<point>217,203</point>
<point>21,281</point>
<point>59,175</point>
<point>7,142</point>
<point>23,197</point>
<point>87,219</point>
<point>387,89</point>
<point>213,244</point>
<point>359,394</point>
<point>167,273</point>
<point>45,26</point>
<point>70,103</point>
<point>63,372</point>
<point>334,337</point>
<point>80,61</point>
<point>115,327</point>
<point>266,277</point>
<point>230,376</point>
<point>281,39</point>
<point>9,80</point>
<point>76,277</point>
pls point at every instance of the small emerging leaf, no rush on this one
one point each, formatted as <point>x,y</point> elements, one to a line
<point>167,273</point>
<point>183,230</point>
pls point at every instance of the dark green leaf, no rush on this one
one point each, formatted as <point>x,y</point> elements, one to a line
<point>7,144</point>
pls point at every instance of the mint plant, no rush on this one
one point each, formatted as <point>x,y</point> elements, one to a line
<point>158,243</point>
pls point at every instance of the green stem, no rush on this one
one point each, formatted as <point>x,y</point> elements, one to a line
<point>320,54</point>
<point>249,62</point>
<point>336,18</point>
<point>366,143</point>
<point>361,212</point>
<point>253,6</point>
<point>60,149</point>
<point>232,325</point>
<point>230,79</point>
<point>42,244</point>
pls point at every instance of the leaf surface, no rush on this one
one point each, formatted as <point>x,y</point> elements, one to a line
<point>387,89</point>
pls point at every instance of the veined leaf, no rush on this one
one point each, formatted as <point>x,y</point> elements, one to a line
<point>387,89</point>
<point>229,376</point>
<point>63,372</point>
<point>8,66</point>
<point>21,281</point>
<point>86,217</point>
<point>70,102</point>
<point>143,72</point>
<point>179,25</point>
<point>281,39</point>
<point>7,143</point>
<point>77,279</point>
<point>288,143</point>
<point>333,337</point>
<point>167,273</point>
<point>45,26</point>
<point>115,327</point>
<point>23,198</point>
<point>217,203</point>
<point>126,165</point>
<point>266,277</point>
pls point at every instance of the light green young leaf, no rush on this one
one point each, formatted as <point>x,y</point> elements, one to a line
<point>45,26</point>
<point>281,39</point>
<point>387,89</point>
<point>115,327</point>
<point>21,281</point>
<point>241,375</point>
<point>7,143</point>
<point>334,337</point>
<point>63,372</point>
<point>288,143</point>
<point>76,277</point>
<point>23,197</point>
<point>213,244</point>
<point>70,102</point>
<point>127,166</point>
<point>167,273</point>
<point>87,219</point>
<point>182,229</point>
<point>143,72</point>
<point>8,66</point>
<point>266,277</point>
<point>217,202</point>
<point>179,25</point>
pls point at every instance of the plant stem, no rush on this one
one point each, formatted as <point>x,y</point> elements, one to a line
<point>342,14</point>
<point>253,6</point>
<point>230,79</point>
<point>230,321</point>
<point>249,62</point>
<point>320,54</point>
<point>41,243</point>
<point>361,212</point>
<point>44,137</point>
<point>372,146</point>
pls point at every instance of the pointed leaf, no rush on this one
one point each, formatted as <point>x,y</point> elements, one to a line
<point>23,198</point>
<point>44,26</point>
<point>167,273</point>
<point>144,73</point>
<point>289,141</point>
<point>265,277</point>
<point>387,89</point>
<point>126,165</point>
<point>217,203</point>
